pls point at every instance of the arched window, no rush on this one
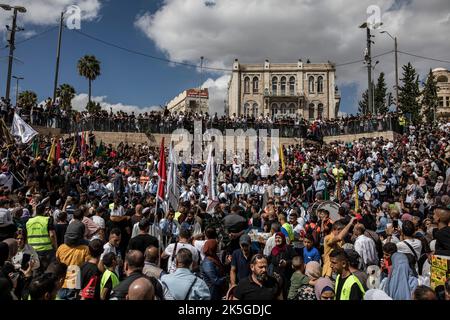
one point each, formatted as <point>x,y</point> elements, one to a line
<point>292,108</point>
<point>274,109</point>
<point>320,111</point>
<point>283,108</point>
<point>246,109</point>
<point>292,86</point>
<point>320,84</point>
<point>311,84</point>
<point>274,86</point>
<point>255,84</point>
<point>255,110</point>
<point>311,111</point>
<point>442,79</point>
<point>283,86</point>
<point>247,85</point>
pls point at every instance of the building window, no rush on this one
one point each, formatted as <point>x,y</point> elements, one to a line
<point>292,86</point>
<point>311,84</point>
<point>320,111</point>
<point>320,84</point>
<point>246,109</point>
<point>441,101</point>
<point>447,99</point>
<point>274,86</point>
<point>255,110</point>
<point>311,111</point>
<point>274,109</point>
<point>255,84</point>
<point>292,108</point>
<point>283,86</point>
<point>283,108</point>
<point>247,85</point>
<point>442,79</point>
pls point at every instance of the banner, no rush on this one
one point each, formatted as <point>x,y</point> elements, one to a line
<point>440,270</point>
<point>22,130</point>
<point>209,180</point>
<point>173,191</point>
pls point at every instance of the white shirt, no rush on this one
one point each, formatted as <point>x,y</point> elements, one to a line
<point>237,168</point>
<point>99,221</point>
<point>366,249</point>
<point>270,244</point>
<point>171,267</point>
<point>414,243</point>
<point>110,248</point>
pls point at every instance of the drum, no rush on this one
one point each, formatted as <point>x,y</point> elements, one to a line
<point>367,195</point>
<point>332,207</point>
<point>313,208</point>
<point>363,187</point>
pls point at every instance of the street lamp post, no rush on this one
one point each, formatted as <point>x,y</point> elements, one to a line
<point>11,41</point>
<point>396,67</point>
<point>368,58</point>
<point>17,87</point>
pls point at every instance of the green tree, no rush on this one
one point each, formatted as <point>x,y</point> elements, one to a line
<point>93,107</point>
<point>430,98</point>
<point>380,95</point>
<point>363,107</point>
<point>409,93</point>
<point>66,93</point>
<point>27,98</point>
<point>89,67</point>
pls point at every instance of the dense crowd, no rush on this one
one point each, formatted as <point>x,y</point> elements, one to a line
<point>344,221</point>
<point>49,114</point>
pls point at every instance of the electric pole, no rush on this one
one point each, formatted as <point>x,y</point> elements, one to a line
<point>58,51</point>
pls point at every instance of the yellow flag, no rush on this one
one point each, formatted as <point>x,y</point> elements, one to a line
<point>51,154</point>
<point>283,166</point>
<point>73,148</point>
<point>356,199</point>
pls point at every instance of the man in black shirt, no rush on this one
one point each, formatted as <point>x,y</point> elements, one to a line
<point>143,240</point>
<point>259,285</point>
<point>90,274</point>
<point>348,286</point>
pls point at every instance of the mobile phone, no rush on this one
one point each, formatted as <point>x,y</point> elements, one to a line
<point>25,261</point>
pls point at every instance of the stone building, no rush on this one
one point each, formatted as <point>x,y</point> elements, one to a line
<point>194,100</point>
<point>442,77</point>
<point>307,90</point>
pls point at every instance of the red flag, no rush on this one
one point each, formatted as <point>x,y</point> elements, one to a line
<point>82,143</point>
<point>58,151</point>
<point>162,173</point>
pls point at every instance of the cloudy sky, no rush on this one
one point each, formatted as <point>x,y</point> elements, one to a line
<point>219,30</point>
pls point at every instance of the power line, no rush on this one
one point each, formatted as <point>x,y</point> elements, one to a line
<point>422,57</point>
<point>32,37</point>
<point>362,60</point>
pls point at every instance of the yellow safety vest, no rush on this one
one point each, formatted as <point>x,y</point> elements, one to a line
<point>37,233</point>
<point>289,230</point>
<point>105,277</point>
<point>347,287</point>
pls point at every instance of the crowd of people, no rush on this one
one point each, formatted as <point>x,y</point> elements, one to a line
<point>343,221</point>
<point>49,114</point>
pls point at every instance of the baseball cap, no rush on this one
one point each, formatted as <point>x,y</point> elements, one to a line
<point>245,239</point>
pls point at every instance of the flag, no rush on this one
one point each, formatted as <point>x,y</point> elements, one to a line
<point>35,148</point>
<point>74,146</point>
<point>356,199</point>
<point>209,180</point>
<point>22,130</point>
<point>51,154</point>
<point>283,166</point>
<point>58,151</point>
<point>162,173</point>
<point>5,135</point>
<point>100,152</point>
<point>173,191</point>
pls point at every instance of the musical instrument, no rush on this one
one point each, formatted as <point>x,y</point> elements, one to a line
<point>381,187</point>
<point>313,208</point>
<point>332,207</point>
<point>367,195</point>
<point>363,187</point>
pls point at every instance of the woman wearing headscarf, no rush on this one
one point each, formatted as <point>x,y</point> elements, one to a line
<point>402,280</point>
<point>23,248</point>
<point>324,289</point>
<point>280,261</point>
<point>212,270</point>
<point>376,294</point>
<point>307,292</point>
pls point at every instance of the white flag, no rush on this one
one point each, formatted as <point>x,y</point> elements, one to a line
<point>173,191</point>
<point>22,130</point>
<point>210,183</point>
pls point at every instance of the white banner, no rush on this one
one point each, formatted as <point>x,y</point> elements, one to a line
<point>21,130</point>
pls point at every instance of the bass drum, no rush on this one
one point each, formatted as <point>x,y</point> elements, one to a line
<point>313,208</point>
<point>332,207</point>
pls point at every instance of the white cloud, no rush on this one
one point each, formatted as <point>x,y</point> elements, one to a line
<point>80,101</point>
<point>47,12</point>
<point>217,93</point>
<point>286,30</point>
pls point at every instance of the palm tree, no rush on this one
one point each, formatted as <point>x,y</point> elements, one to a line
<point>89,67</point>
<point>27,98</point>
<point>66,93</point>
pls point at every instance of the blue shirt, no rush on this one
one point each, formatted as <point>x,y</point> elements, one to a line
<point>179,282</point>
<point>241,264</point>
<point>311,255</point>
